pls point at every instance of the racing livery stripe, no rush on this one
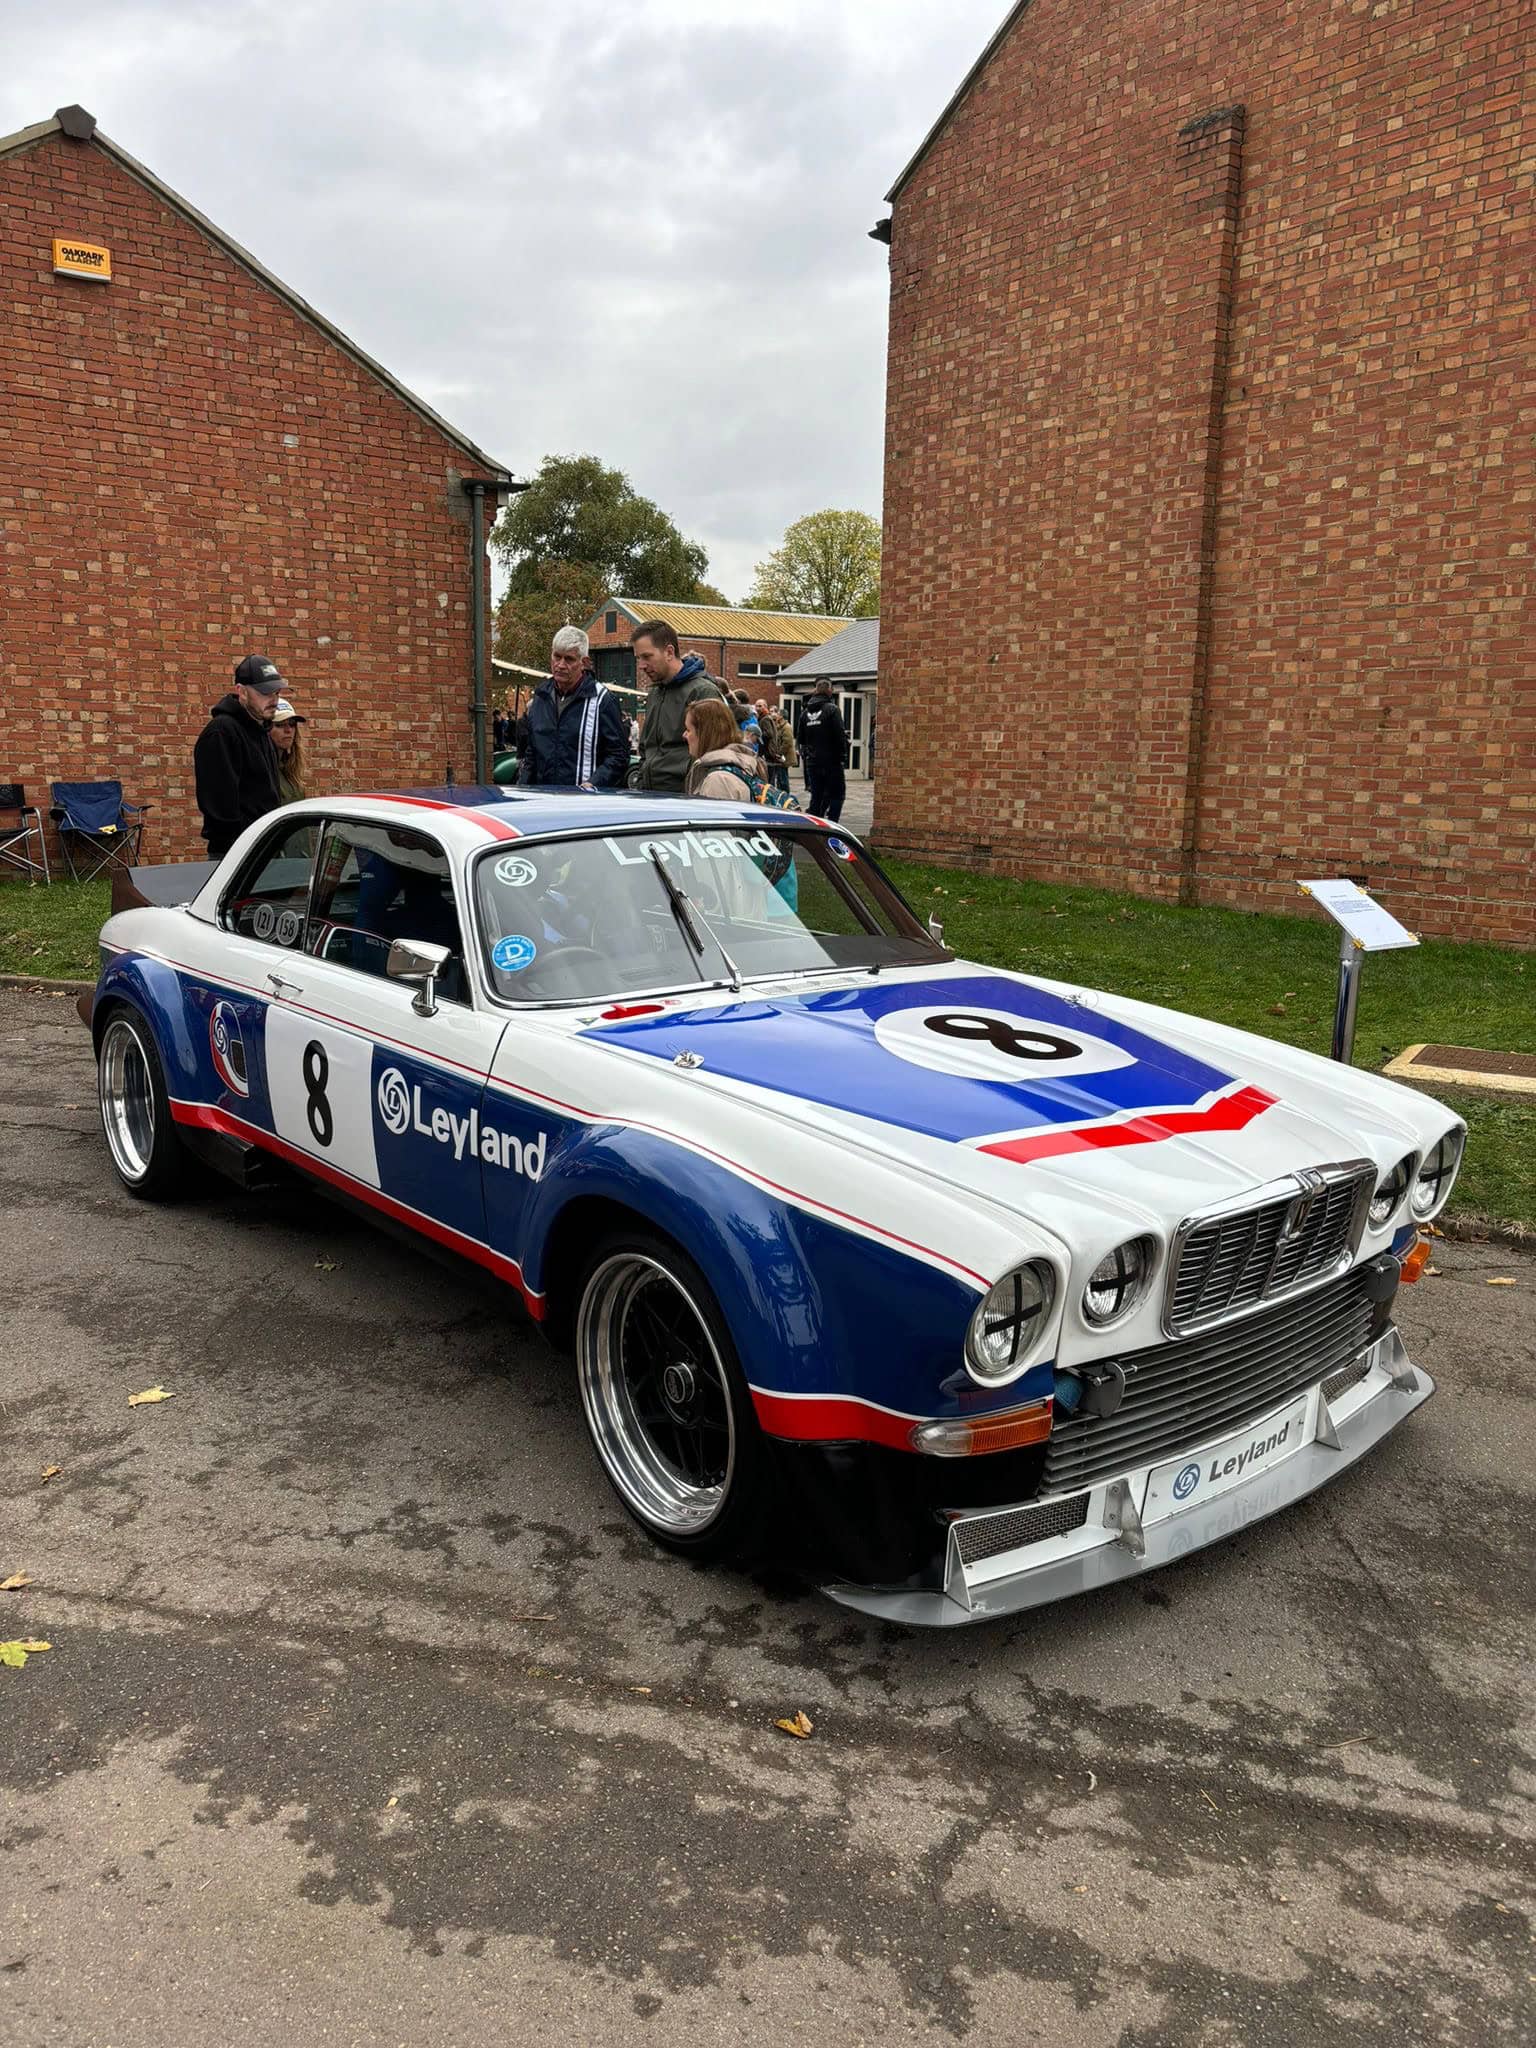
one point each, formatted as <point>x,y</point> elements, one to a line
<point>835,1418</point>
<point>520,1093</point>
<point>204,1116</point>
<point>1230,1112</point>
<point>497,827</point>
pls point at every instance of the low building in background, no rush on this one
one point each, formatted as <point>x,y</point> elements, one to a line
<point>850,662</point>
<point>199,466</point>
<point>747,650</point>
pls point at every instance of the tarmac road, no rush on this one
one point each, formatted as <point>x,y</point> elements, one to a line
<point>370,1720</point>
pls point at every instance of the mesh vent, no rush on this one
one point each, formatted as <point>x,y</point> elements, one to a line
<point>991,1536</point>
<point>1341,1382</point>
<point>1233,1262</point>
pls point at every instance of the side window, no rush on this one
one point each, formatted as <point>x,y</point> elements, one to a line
<point>270,898</point>
<point>378,883</point>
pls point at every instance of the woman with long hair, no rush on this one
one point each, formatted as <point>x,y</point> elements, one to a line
<point>284,731</point>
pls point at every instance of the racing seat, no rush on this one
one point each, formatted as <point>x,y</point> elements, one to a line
<point>22,845</point>
<point>97,827</point>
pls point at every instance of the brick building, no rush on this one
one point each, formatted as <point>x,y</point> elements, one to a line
<point>194,465</point>
<point>744,648</point>
<point>1209,458</point>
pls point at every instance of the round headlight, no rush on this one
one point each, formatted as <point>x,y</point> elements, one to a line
<point>1436,1176</point>
<point>1009,1322</point>
<point>1390,1190</point>
<point>1118,1282</point>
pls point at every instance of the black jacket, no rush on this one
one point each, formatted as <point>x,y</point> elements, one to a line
<point>580,738</point>
<point>823,738</point>
<point>236,766</point>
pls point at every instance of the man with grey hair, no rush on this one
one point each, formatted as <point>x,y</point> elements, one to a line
<point>578,735</point>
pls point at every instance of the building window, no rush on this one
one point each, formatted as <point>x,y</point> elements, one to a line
<point>758,668</point>
<point>610,622</point>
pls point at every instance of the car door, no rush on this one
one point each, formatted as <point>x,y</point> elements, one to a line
<point>375,1096</point>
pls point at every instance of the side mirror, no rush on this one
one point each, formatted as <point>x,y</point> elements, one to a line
<point>416,961</point>
<point>935,931</point>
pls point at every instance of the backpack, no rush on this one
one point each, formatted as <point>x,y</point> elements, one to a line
<point>759,791</point>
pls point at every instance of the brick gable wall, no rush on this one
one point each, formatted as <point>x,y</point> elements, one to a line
<point>190,471</point>
<point>1210,468</point>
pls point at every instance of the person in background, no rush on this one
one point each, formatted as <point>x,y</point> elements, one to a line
<point>824,752</point>
<point>748,722</point>
<point>674,685</point>
<point>720,755</point>
<point>578,736</point>
<point>284,735</point>
<point>234,761</point>
<point>778,744</point>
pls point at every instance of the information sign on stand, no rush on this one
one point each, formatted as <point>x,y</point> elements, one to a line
<point>1364,927</point>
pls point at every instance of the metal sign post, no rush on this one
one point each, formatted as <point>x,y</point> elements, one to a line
<point>1364,927</point>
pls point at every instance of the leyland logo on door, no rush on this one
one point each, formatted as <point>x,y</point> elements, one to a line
<point>401,1110</point>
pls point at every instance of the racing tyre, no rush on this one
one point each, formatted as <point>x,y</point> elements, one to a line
<point>135,1110</point>
<point>667,1405</point>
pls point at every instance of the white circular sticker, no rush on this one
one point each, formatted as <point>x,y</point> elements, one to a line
<point>516,870</point>
<point>994,1045</point>
<point>263,918</point>
<point>289,924</point>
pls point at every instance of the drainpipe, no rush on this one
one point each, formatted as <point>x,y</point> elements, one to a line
<point>477,711</point>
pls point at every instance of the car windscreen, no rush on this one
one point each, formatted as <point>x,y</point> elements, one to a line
<point>611,914</point>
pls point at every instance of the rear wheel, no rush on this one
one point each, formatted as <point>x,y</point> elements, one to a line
<point>135,1109</point>
<point>666,1403</point>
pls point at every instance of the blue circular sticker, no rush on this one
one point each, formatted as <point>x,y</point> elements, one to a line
<point>840,848</point>
<point>512,955</point>
<point>1186,1482</point>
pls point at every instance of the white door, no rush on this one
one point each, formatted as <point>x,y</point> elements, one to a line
<point>851,704</point>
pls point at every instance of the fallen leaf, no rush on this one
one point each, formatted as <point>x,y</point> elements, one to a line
<point>392,1801</point>
<point>1079,1887</point>
<point>641,1688</point>
<point>16,1654</point>
<point>51,1472</point>
<point>1277,1009</point>
<point>149,1394</point>
<point>799,1724</point>
<point>1431,1272</point>
<point>14,1583</point>
<point>325,1265</point>
<point>1499,1283</point>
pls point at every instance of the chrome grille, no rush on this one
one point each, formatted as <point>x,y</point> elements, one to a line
<point>989,1536</point>
<point>1197,1388</point>
<point>1226,1263</point>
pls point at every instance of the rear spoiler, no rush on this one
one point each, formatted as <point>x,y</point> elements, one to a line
<point>163,888</point>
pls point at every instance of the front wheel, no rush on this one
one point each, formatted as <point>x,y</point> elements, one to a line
<point>666,1403</point>
<point>136,1111</point>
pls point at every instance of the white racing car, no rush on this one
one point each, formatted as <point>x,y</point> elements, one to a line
<point>966,1289</point>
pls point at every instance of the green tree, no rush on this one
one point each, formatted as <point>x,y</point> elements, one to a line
<point>828,562</point>
<point>555,594</point>
<point>578,512</point>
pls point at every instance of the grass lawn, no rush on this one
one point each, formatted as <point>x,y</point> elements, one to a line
<point>1272,975</point>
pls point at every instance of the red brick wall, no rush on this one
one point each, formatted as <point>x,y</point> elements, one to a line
<point>1209,478</point>
<point>157,523</point>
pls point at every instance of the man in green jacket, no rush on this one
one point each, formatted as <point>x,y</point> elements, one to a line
<point>674,685</point>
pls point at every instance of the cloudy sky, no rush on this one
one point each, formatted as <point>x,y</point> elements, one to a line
<point>634,230</point>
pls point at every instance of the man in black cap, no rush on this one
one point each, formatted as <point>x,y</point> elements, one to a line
<point>234,758</point>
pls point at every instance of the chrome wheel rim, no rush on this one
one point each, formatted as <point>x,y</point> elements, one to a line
<point>655,1390</point>
<point>127,1099</point>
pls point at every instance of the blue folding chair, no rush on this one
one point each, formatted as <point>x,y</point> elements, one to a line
<point>22,845</point>
<point>97,827</point>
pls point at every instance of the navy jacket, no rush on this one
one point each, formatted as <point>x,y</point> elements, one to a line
<point>580,738</point>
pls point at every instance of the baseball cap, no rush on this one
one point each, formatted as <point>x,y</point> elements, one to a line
<point>286,715</point>
<point>257,673</point>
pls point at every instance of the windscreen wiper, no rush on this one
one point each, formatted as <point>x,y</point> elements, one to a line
<point>682,910</point>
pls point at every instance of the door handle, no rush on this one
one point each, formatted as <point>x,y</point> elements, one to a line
<point>279,983</point>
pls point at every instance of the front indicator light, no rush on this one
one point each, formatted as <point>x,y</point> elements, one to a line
<point>959,1436</point>
<point>1415,1259</point>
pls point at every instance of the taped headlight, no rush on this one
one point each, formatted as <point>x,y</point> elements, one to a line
<point>1118,1282</point>
<point>1009,1323</point>
<point>1390,1190</point>
<point>1436,1176</point>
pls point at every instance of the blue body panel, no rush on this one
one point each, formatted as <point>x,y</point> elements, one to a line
<point>816,1309</point>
